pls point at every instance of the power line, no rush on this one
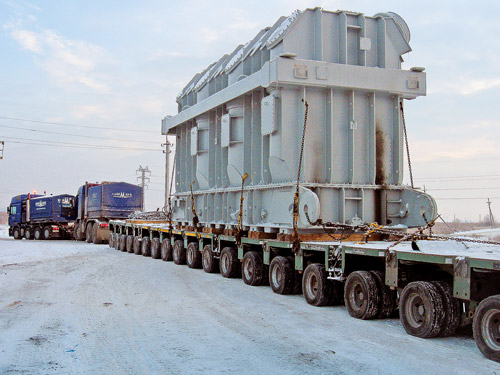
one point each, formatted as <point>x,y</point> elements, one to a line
<point>75,135</point>
<point>459,178</point>
<point>463,198</point>
<point>78,145</point>
<point>73,125</point>
<point>472,188</point>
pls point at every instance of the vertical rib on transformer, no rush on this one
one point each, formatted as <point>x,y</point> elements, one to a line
<point>245,114</point>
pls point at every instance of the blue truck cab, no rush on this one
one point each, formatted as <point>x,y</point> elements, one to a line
<point>41,217</point>
<point>97,203</point>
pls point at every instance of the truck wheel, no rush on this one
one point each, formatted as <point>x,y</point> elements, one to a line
<point>315,285</point>
<point>252,269</point>
<point>229,266</point>
<point>486,327</point>
<point>166,250</point>
<point>129,243</point>
<point>210,264</point>
<point>193,255</point>
<point>155,248</point>
<point>47,235</point>
<point>16,233</point>
<point>421,309</point>
<point>281,275</point>
<point>179,252</point>
<point>146,246</point>
<point>111,240</point>
<point>387,297</point>
<point>28,233</point>
<point>137,245</point>
<point>37,233</point>
<point>452,308</point>
<point>79,232</point>
<point>95,229</point>
<point>88,232</point>
<point>361,295</point>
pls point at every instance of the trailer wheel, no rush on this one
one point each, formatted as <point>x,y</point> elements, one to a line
<point>155,248</point>
<point>129,243</point>
<point>486,327</point>
<point>421,309</point>
<point>179,252</point>
<point>28,233</point>
<point>37,233</point>
<point>166,250</point>
<point>16,233</point>
<point>210,264</point>
<point>252,269</point>
<point>281,277</point>
<point>387,297</point>
<point>137,245</point>
<point>315,285</point>
<point>451,306</point>
<point>111,242</point>
<point>229,265</point>
<point>193,255</point>
<point>122,242</point>
<point>79,233</point>
<point>146,246</point>
<point>88,232</point>
<point>46,233</point>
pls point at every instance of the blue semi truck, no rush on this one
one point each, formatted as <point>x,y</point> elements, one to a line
<point>41,217</point>
<point>98,203</point>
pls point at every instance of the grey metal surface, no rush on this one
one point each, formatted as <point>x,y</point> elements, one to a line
<point>245,114</point>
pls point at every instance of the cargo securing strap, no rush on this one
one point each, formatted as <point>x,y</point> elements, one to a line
<point>295,235</point>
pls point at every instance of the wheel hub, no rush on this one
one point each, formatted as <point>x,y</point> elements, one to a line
<point>490,329</point>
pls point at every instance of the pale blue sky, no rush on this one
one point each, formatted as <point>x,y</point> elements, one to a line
<point>120,64</point>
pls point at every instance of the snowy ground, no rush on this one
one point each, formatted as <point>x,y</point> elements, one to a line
<point>74,308</point>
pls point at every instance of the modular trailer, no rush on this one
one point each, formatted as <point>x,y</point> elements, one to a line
<point>259,197</point>
<point>437,285</point>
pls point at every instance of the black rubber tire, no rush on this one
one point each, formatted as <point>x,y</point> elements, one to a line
<point>111,242</point>
<point>209,262</point>
<point>47,233</point>
<point>37,233</point>
<point>486,327</point>
<point>166,250</point>
<point>16,233</point>
<point>88,232</point>
<point>79,234</point>
<point>155,248</point>
<point>193,255</point>
<point>229,265</point>
<point>252,269</point>
<point>281,275</point>
<point>95,228</point>
<point>387,297</point>
<point>28,233</point>
<point>122,242</point>
<point>179,252</point>
<point>361,295</point>
<point>452,309</point>
<point>146,246</point>
<point>315,285</point>
<point>421,309</point>
<point>137,245</point>
<point>129,243</point>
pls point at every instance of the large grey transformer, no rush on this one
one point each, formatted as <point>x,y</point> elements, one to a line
<point>245,114</point>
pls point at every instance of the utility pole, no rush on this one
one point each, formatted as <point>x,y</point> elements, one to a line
<point>142,171</point>
<point>167,152</point>
<point>492,221</point>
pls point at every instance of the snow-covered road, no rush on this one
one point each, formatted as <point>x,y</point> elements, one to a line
<point>74,308</point>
